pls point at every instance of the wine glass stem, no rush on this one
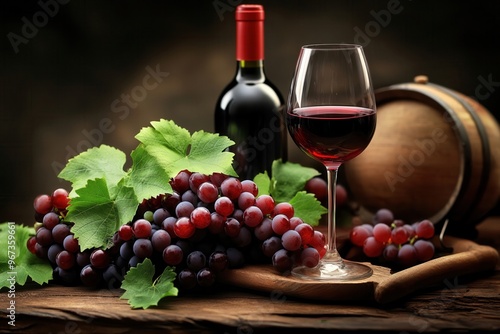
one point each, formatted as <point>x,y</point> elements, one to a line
<point>331,253</point>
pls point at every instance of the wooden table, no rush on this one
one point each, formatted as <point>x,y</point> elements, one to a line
<point>460,304</point>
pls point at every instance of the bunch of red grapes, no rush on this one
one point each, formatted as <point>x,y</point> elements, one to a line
<point>394,241</point>
<point>206,225</point>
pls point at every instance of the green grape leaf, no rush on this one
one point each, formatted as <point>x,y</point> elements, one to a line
<point>99,210</point>
<point>308,208</point>
<point>98,162</point>
<point>166,149</point>
<point>288,178</point>
<point>263,182</point>
<point>17,263</point>
<point>140,289</point>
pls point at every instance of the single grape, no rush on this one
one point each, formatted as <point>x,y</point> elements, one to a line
<point>187,279</point>
<point>291,240</point>
<point>191,197</point>
<point>184,209</point>
<point>142,248</point>
<point>60,199</point>
<point>425,229</point>
<point>382,232</point>
<point>50,220</point>
<point>43,204</point>
<point>218,261</point>
<point>252,216</point>
<point>168,225</point>
<point>65,260</point>
<point>283,208</point>
<point>390,253</point>
<point>196,261</point>
<point>246,200</point>
<point>224,206</point>
<point>208,192</point>
<point>249,186</point>
<point>126,250</point>
<point>265,203</point>
<point>424,250</point>
<point>125,232</point>
<point>59,232</point>
<point>149,216</point>
<point>372,248</point>
<point>83,258</point>
<point>201,217</point>
<point>99,259</point>
<point>142,228</point>
<point>319,242</point>
<point>407,255</point>
<point>44,237</point>
<point>216,223</point>
<point>271,246</point>
<point>358,235</point>
<point>71,244</point>
<point>232,227</point>
<point>306,232</point>
<point>90,277</point>
<point>160,240</point>
<point>309,257</point>
<point>180,183</point>
<point>205,277</point>
<point>399,235</point>
<point>383,216</point>
<point>280,224</point>
<point>317,186</point>
<point>160,215</point>
<point>341,197</point>
<point>264,230</point>
<point>282,261</point>
<point>31,245</point>
<point>172,255</point>
<point>231,188</point>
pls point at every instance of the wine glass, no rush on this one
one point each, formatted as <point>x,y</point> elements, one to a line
<point>330,115</point>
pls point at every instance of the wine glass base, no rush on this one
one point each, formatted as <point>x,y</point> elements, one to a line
<point>342,271</point>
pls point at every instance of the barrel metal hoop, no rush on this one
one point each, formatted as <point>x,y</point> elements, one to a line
<point>485,147</point>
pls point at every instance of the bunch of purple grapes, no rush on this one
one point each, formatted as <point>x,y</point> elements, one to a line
<point>206,225</point>
<point>55,242</point>
<point>393,241</point>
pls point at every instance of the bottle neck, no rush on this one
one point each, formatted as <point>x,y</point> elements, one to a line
<point>250,70</point>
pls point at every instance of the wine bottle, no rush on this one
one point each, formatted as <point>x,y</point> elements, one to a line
<point>249,110</point>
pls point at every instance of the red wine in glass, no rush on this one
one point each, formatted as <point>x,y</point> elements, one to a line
<point>332,134</point>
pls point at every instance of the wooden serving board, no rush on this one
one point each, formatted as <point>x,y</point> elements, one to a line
<point>382,287</point>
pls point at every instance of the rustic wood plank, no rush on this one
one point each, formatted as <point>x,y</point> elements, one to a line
<point>466,303</point>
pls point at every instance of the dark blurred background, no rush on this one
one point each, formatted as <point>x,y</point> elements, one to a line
<point>66,67</point>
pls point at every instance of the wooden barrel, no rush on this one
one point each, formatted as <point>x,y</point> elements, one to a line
<point>435,155</point>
